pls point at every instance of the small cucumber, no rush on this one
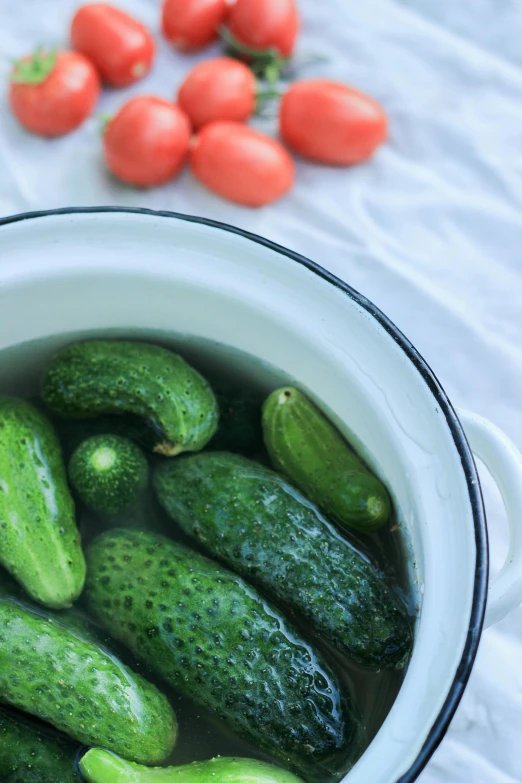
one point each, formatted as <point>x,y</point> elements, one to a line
<point>120,377</point>
<point>214,639</point>
<point>109,473</point>
<point>99,766</point>
<point>39,540</point>
<point>307,448</point>
<point>32,753</point>
<point>239,421</point>
<point>259,525</point>
<point>61,676</point>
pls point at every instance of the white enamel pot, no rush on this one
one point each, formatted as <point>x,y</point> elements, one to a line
<point>74,271</point>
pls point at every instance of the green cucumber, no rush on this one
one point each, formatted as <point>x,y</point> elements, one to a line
<point>214,639</point>
<point>307,448</point>
<point>110,476</point>
<point>32,753</point>
<point>109,473</point>
<point>99,766</point>
<point>259,525</point>
<point>239,421</point>
<point>59,675</point>
<point>120,377</point>
<point>39,540</point>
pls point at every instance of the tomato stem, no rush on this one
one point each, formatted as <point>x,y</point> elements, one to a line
<point>266,63</point>
<point>36,69</point>
<point>263,96</point>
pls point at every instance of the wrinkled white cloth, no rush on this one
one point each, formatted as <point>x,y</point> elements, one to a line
<point>430,230</point>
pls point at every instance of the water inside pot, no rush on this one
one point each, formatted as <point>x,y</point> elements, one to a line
<point>201,737</point>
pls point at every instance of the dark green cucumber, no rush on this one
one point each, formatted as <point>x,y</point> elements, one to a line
<point>99,766</point>
<point>109,473</point>
<point>109,376</point>
<point>61,676</point>
<point>239,427</point>
<point>32,753</point>
<point>263,528</point>
<point>214,639</point>
<point>39,540</point>
<point>307,448</point>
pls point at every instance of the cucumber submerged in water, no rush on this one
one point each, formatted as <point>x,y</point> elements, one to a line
<point>109,473</point>
<point>32,753</point>
<point>215,640</point>
<point>39,540</point>
<point>98,766</point>
<point>307,448</point>
<point>110,376</point>
<point>258,524</point>
<point>61,676</point>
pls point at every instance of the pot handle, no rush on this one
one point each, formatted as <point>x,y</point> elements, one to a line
<point>504,461</point>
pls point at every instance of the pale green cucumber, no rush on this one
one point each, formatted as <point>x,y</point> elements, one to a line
<point>99,766</point>
<point>312,453</point>
<point>39,540</point>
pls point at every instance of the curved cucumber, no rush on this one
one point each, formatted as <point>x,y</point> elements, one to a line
<point>39,540</point>
<point>98,766</point>
<point>109,473</point>
<point>307,448</point>
<point>109,376</point>
<point>215,640</point>
<point>30,753</point>
<point>61,676</point>
<point>263,528</point>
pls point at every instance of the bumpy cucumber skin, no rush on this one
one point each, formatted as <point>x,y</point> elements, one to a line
<point>109,376</point>
<point>30,753</point>
<point>99,766</point>
<point>239,422</point>
<point>306,447</point>
<point>114,488</point>
<point>214,639</point>
<point>60,676</point>
<point>259,525</point>
<point>39,541</point>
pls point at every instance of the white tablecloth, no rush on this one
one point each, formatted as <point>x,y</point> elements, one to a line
<point>431,230</point>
